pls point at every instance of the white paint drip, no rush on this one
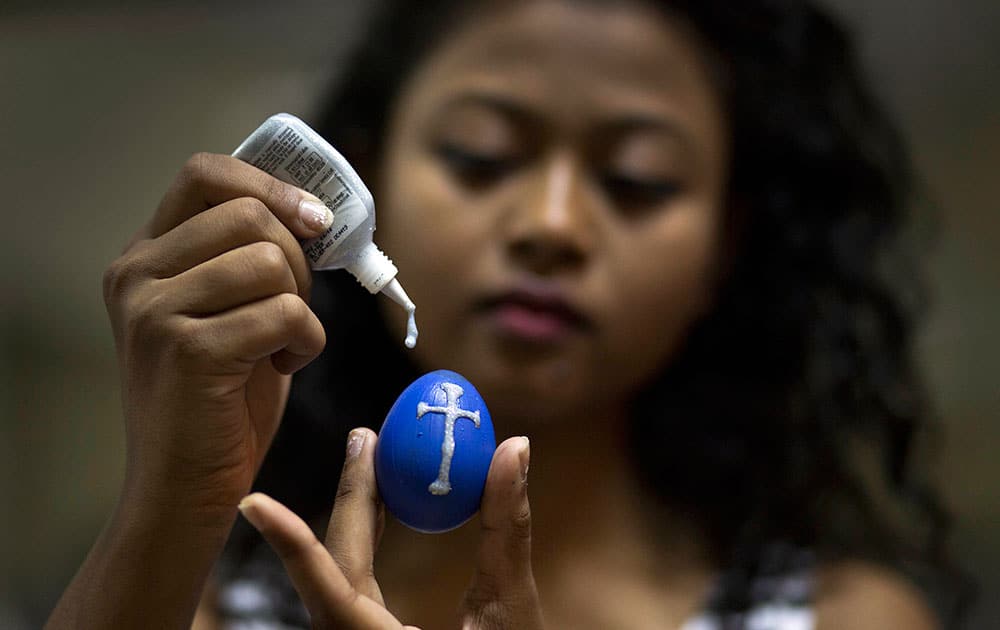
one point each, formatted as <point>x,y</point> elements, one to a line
<point>396,293</point>
<point>411,326</point>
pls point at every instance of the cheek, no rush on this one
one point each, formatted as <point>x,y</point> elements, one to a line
<point>664,279</point>
<point>436,245</point>
<point>412,220</point>
<point>420,208</point>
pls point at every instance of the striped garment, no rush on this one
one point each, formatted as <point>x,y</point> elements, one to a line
<point>779,595</point>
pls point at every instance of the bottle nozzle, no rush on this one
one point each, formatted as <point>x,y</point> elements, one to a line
<point>395,292</point>
<point>375,272</point>
<point>372,268</point>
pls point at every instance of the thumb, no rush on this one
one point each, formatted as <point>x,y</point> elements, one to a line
<point>503,592</point>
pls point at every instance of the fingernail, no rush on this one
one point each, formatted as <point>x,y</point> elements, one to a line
<point>355,442</point>
<point>247,508</point>
<point>524,457</point>
<point>315,214</point>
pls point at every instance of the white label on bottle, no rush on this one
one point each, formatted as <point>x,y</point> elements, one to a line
<point>293,159</point>
<point>346,218</point>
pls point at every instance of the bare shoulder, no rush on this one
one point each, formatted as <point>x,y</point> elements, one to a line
<point>854,595</point>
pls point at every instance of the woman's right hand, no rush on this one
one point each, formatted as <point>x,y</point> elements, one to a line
<point>209,309</point>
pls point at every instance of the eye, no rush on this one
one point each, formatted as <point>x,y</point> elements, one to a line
<point>638,193</point>
<point>475,168</point>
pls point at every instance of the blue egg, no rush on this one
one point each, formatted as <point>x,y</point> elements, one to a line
<point>434,451</point>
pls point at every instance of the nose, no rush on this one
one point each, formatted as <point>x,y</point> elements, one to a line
<point>550,228</point>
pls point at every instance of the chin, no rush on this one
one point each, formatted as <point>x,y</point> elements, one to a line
<point>520,399</point>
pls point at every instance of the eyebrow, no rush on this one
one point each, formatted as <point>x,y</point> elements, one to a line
<point>613,125</point>
<point>633,122</point>
<point>507,106</point>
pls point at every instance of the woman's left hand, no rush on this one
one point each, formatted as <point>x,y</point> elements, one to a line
<point>336,580</point>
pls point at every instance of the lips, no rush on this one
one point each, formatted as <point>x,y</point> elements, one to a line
<point>535,313</point>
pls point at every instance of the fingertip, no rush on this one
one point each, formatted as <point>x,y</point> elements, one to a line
<point>314,216</point>
<point>366,432</point>
<point>370,435</point>
<point>512,455</point>
<point>355,442</point>
<point>250,499</point>
<point>280,527</point>
<point>512,446</point>
<point>250,508</point>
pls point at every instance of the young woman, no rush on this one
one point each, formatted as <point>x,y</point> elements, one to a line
<point>654,235</point>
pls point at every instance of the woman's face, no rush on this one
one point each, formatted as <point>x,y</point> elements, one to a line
<point>552,192</point>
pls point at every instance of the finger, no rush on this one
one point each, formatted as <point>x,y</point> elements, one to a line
<point>352,533</point>
<point>503,591</point>
<point>240,276</point>
<point>505,516</point>
<point>281,326</point>
<point>331,600</point>
<point>207,180</point>
<point>218,230</point>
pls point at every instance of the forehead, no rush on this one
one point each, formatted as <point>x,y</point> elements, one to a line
<point>574,56</point>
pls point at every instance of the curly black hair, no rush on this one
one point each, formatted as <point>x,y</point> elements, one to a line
<point>794,408</point>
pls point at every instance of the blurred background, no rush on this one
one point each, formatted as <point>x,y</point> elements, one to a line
<point>101,103</point>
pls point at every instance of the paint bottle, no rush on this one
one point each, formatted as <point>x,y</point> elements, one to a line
<point>290,150</point>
